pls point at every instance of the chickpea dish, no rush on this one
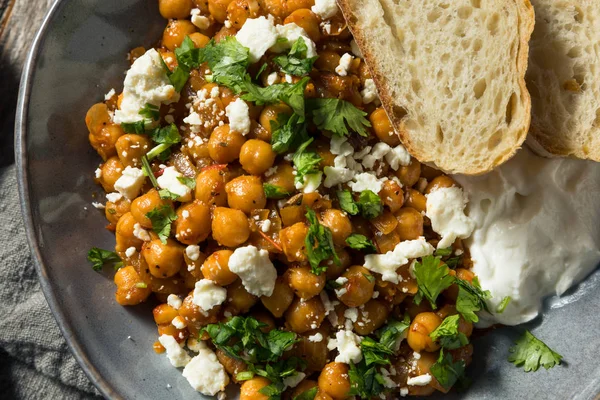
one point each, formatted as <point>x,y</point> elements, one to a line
<point>261,198</point>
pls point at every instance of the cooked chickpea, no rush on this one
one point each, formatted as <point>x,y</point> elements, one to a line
<point>304,315</point>
<point>410,223</point>
<point>415,200</point>
<point>292,241</point>
<point>256,156</point>
<point>230,227</point>
<point>302,387</point>
<point>210,187</point>
<point>442,181</point>
<point>200,40</point>
<point>305,284</point>
<point>114,211</point>
<point>175,32</point>
<point>193,223</point>
<point>371,317</point>
<point>307,20</point>
<point>141,206</point>
<point>464,326</point>
<point>233,366</point>
<point>334,270</point>
<point>175,8</point>
<point>392,195</point>
<point>129,293</point>
<point>238,11</point>
<point>423,366</point>
<point>339,224</point>
<point>102,133</point>
<point>269,114</point>
<point>315,354</point>
<point>164,260</point>
<point>218,9</point>
<point>276,8</point>
<point>250,389</point>
<point>410,174</point>
<point>216,268</point>
<point>420,328</point>
<point>283,177</point>
<point>194,317</point>
<point>281,298</point>
<point>359,286</point>
<point>239,300</point>
<point>224,145</point>
<point>164,314</point>
<point>124,234</point>
<point>111,171</point>
<point>246,193</point>
<point>327,61</point>
<point>383,127</point>
<point>334,380</point>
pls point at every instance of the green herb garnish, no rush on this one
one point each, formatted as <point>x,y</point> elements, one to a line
<point>161,218</point>
<point>99,258</point>
<point>319,244</point>
<point>531,353</point>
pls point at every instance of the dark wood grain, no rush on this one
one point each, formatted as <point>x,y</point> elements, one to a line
<point>19,21</point>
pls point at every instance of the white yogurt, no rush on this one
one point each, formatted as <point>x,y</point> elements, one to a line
<point>537,230</point>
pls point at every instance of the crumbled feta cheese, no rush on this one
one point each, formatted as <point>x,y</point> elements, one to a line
<point>347,344</point>
<point>378,152</point>
<point>316,338</point>
<point>170,180</point>
<point>325,8</point>
<point>294,380</point>
<point>403,392</point>
<point>351,313</point>
<point>311,182</point>
<point>421,380</point>
<point>141,233</point>
<point>239,119</point>
<point>195,345</point>
<point>176,355</point>
<point>387,381</point>
<point>199,20</point>
<point>193,252</point>
<point>387,264</point>
<point>208,294</point>
<point>98,206</point>
<point>255,269</point>
<point>174,301</point>
<point>130,251</point>
<point>339,146</point>
<point>98,173</point>
<point>369,92</point>
<point>130,182</point>
<point>146,82</point>
<point>258,35</point>
<point>367,181</point>
<point>341,280</point>
<point>292,32</point>
<point>344,65</point>
<point>205,373</point>
<point>265,226</point>
<point>416,356</point>
<point>193,119</point>
<point>110,94</point>
<point>271,171</point>
<point>179,322</point>
<point>355,49</point>
<point>289,78</point>
<point>337,176</point>
<point>398,156</point>
<point>272,78</point>
<point>445,209</point>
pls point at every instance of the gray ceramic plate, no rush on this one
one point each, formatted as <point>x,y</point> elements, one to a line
<point>78,56</point>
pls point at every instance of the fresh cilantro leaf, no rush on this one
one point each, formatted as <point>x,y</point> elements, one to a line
<point>360,242</point>
<point>188,56</point>
<point>309,394</point>
<point>167,194</point>
<point>502,306</point>
<point>274,191</point>
<point>279,341</point>
<point>306,162</point>
<point>272,391</point>
<point>148,171</point>
<point>288,133</point>
<point>531,353</point>
<point>99,257</point>
<point>189,182</point>
<point>347,202</point>
<point>166,135</point>
<point>338,116</point>
<point>290,94</point>
<point>244,376</point>
<point>447,372</point>
<point>443,252</point>
<point>432,278</point>
<point>375,353</point>
<point>138,127</point>
<point>150,111</point>
<point>262,69</point>
<point>319,244</point>
<point>390,334</point>
<point>228,61</point>
<point>448,335</point>
<point>180,75</point>
<point>471,298</point>
<point>453,262</point>
<point>370,204</point>
<point>178,78</point>
<point>365,382</point>
<point>161,218</point>
<point>295,62</point>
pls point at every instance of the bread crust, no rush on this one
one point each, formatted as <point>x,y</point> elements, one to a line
<point>398,116</point>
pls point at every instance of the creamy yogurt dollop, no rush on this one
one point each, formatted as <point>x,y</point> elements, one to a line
<point>537,230</point>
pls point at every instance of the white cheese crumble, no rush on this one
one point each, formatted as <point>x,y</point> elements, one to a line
<point>347,343</point>
<point>110,94</point>
<point>311,182</point>
<point>316,338</point>
<point>403,392</point>
<point>258,35</point>
<point>351,313</point>
<point>239,119</point>
<point>387,264</point>
<point>179,322</point>
<point>98,173</point>
<point>98,206</point>
<point>193,252</point>
<point>130,251</point>
<point>265,226</point>
<point>294,380</point>
<point>367,181</point>
<point>344,65</point>
<point>205,373</point>
<point>337,176</point>
<point>141,233</point>
<point>292,32</point>
<point>255,269</point>
<point>174,301</point>
<point>130,182</point>
<point>146,82</point>
<point>397,157</point>
<point>378,152</point>
<point>421,380</point>
<point>445,209</point>
<point>176,355</point>
<point>325,8</point>
<point>369,92</point>
<point>170,180</point>
<point>272,78</point>
<point>208,294</point>
<point>199,20</point>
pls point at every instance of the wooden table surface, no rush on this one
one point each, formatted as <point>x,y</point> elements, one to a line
<point>19,21</point>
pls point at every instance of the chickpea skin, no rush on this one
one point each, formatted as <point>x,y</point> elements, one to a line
<point>339,224</point>
<point>224,145</point>
<point>128,291</point>
<point>256,156</point>
<point>410,223</point>
<point>420,328</point>
<point>175,32</point>
<point>216,268</point>
<point>210,187</point>
<point>193,223</point>
<point>230,227</point>
<point>142,205</point>
<point>303,316</point>
<point>383,127</point>
<point>250,389</point>
<point>305,284</point>
<point>292,241</point>
<point>246,193</point>
<point>164,260</point>
<point>334,380</point>
<point>359,286</point>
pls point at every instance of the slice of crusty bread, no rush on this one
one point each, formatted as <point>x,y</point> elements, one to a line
<point>450,74</point>
<point>564,78</point>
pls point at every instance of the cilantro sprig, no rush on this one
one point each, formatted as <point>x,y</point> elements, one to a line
<point>274,191</point>
<point>295,62</point>
<point>161,218</point>
<point>309,394</point>
<point>338,116</point>
<point>369,204</point>
<point>448,334</point>
<point>471,299</point>
<point>531,353</point>
<point>448,372</point>
<point>357,241</point>
<point>305,161</point>
<point>288,133</point>
<point>100,257</point>
<point>319,244</point>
